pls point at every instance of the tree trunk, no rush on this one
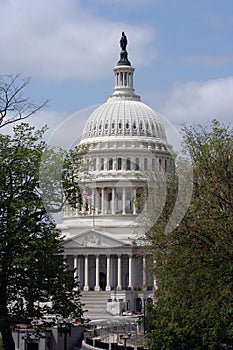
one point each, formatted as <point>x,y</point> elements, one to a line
<point>7,339</point>
<point>5,328</point>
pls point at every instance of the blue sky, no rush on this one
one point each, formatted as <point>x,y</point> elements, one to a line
<point>182,51</point>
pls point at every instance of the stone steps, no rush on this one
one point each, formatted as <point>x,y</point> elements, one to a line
<point>95,303</point>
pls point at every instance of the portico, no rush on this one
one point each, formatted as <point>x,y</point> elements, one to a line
<point>102,265</point>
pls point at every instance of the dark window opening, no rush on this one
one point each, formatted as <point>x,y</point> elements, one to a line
<point>128,164</point>
<point>119,163</point>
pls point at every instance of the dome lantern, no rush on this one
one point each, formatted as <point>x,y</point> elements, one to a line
<point>123,72</point>
<point>124,114</point>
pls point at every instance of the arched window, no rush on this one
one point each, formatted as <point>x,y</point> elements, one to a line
<point>137,164</point>
<point>110,164</point>
<point>160,164</point>
<point>153,164</point>
<point>119,163</point>
<point>127,125</point>
<point>88,163</point>
<point>94,164</point>
<point>102,164</point>
<point>128,164</point>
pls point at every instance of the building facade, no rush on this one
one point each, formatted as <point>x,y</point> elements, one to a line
<point>126,143</point>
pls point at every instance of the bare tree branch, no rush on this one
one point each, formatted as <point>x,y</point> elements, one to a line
<point>14,106</point>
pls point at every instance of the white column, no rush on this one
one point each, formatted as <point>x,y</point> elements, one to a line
<point>134,202</point>
<point>83,207</point>
<point>102,201</point>
<point>123,200</point>
<point>97,284</point>
<point>76,266</point>
<point>130,272</point>
<point>89,206</point>
<point>144,272</point>
<point>113,201</point>
<point>119,273</point>
<point>86,286</point>
<point>108,287</point>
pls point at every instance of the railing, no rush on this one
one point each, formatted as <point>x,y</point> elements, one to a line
<point>96,343</point>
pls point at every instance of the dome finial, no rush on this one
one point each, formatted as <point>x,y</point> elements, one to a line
<point>123,42</point>
<point>124,54</point>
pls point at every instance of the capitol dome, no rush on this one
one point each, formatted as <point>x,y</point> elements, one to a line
<point>126,149</point>
<point>124,117</point>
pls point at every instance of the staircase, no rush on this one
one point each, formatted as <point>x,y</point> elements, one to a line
<point>95,303</point>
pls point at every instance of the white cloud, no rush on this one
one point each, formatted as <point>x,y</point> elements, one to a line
<point>61,40</point>
<point>129,3</point>
<point>41,118</point>
<point>209,60</point>
<point>196,102</point>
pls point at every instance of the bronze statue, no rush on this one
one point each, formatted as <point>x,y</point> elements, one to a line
<point>123,42</point>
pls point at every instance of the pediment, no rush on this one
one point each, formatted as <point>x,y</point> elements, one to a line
<point>92,238</point>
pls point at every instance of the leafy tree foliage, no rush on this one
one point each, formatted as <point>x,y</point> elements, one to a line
<point>33,271</point>
<point>194,263</point>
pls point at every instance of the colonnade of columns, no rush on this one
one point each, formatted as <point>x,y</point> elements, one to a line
<point>106,200</point>
<point>111,271</point>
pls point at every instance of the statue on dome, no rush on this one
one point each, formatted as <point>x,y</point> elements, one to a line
<point>123,42</point>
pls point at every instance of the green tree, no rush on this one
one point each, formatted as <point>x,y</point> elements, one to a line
<point>33,271</point>
<point>194,263</point>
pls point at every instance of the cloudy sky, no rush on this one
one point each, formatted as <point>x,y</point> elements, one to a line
<point>182,51</point>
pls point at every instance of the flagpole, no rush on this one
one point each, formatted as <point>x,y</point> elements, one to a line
<point>93,211</point>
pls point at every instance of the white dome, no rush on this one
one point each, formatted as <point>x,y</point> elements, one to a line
<point>124,117</point>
